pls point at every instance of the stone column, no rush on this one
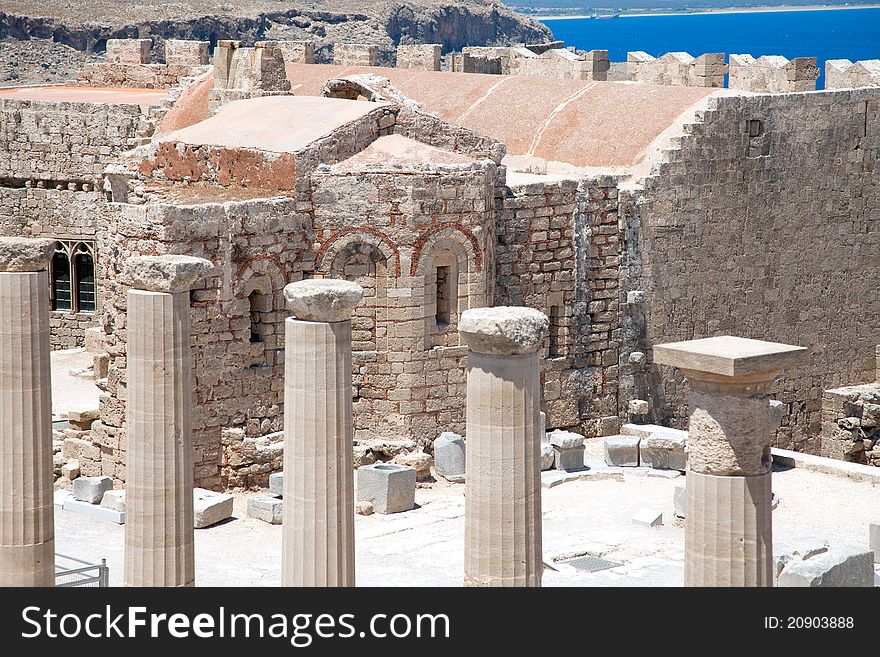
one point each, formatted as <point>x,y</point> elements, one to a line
<point>728,529</point>
<point>27,527</point>
<point>502,531</point>
<point>159,467</point>
<point>318,515</point>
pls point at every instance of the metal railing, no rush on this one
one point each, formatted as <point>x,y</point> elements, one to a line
<point>70,571</point>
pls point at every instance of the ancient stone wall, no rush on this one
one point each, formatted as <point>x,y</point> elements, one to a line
<point>129,51</point>
<point>62,215</point>
<point>420,242</point>
<point>772,73</point>
<point>469,63</point>
<point>677,69</point>
<point>851,423</point>
<point>560,63</point>
<point>761,222</point>
<point>422,56</point>
<point>242,73</point>
<point>844,74</point>
<point>557,251</point>
<point>296,52</point>
<point>140,76</point>
<point>237,315</point>
<point>61,142</point>
<point>355,54</point>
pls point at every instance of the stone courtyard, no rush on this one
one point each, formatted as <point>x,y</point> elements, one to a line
<point>244,263</point>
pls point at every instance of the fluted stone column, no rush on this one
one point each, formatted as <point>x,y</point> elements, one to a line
<point>27,529</point>
<point>318,514</point>
<point>729,529</point>
<point>159,467</point>
<point>502,530</point>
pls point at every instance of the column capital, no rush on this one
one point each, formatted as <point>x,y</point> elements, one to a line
<point>167,273</point>
<point>323,299</point>
<point>25,254</point>
<point>730,360</point>
<point>503,330</point>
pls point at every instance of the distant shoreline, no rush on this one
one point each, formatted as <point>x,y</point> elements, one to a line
<point>743,10</point>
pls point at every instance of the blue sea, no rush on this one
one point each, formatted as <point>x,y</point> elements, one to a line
<point>829,34</point>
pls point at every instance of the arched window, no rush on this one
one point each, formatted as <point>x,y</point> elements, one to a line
<point>260,303</point>
<point>62,299</point>
<point>72,277</point>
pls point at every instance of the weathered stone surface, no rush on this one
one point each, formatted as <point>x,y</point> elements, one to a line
<point>548,456</point>
<point>115,500</point>
<point>70,470</point>
<point>638,407</point>
<point>841,566</point>
<point>664,451</point>
<point>622,451</point>
<point>323,299</point>
<point>389,487</point>
<point>167,273</point>
<point>450,456</point>
<point>730,356</point>
<point>679,499</point>
<point>23,254</point>
<point>419,460</point>
<point>276,484</point>
<point>266,508</point>
<point>799,549</point>
<point>91,489</point>
<point>568,458</point>
<point>565,439</point>
<point>503,330</point>
<point>210,507</point>
<point>363,508</point>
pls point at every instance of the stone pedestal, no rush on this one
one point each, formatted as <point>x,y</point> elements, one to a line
<point>728,529</point>
<point>503,469</point>
<point>27,530</point>
<point>318,513</point>
<point>159,484</point>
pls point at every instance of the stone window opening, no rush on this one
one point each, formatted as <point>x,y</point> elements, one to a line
<point>72,277</point>
<point>444,297</point>
<point>260,304</point>
<point>554,334</point>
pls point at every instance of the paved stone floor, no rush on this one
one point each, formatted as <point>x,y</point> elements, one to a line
<point>424,547</point>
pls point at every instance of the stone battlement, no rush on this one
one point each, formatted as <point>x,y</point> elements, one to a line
<point>844,74</point>
<point>355,54</point>
<point>128,64</point>
<point>422,57</point>
<point>677,69</point>
<point>535,61</point>
<point>772,73</point>
<point>241,73</point>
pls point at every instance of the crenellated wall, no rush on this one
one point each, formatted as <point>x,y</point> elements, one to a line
<point>677,69</point>
<point>844,74</point>
<point>772,73</point>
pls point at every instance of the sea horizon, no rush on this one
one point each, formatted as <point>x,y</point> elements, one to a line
<point>634,13</point>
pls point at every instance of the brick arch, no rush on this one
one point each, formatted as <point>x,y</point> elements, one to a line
<point>353,239</point>
<point>447,236</point>
<point>264,266</point>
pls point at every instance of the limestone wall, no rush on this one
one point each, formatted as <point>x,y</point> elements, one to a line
<point>297,52</point>
<point>470,63</point>
<point>56,214</point>
<point>422,57</point>
<point>355,54</point>
<point>63,142</point>
<point>420,242</point>
<point>677,69</point>
<point>257,246</point>
<point>844,74</point>
<point>242,73</point>
<point>129,51</point>
<point>140,76</point>
<point>772,73</point>
<point>557,251</point>
<point>761,222</point>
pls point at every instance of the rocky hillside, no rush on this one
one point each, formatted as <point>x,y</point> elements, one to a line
<point>85,26</point>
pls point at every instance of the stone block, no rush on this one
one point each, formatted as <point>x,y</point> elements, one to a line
<point>622,451</point>
<point>548,456</point>
<point>678,499</point>
<point>786,552</point>
<point>390,487</point>
<point>81,419</point>
<point>114,500</point>
<point>565,439</point>
<point>91,489</point>
<point>837,567</point>
<point>648,518</point>
<point>664,451</point>
<point>210,507</point>
<point>568,458</point>
<point>450,456</point>
<point>70,470</point>
<point>276,484</point>
<point>266,508</point>
<point>94,510</point>
<point>419,460</point>
<point>874,540</point>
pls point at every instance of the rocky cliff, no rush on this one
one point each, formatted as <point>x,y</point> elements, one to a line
<point>87,26</point>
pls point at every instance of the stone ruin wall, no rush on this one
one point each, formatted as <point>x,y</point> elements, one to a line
<point>534,61</point>
<point>355,54</point>
<point>772,73</point>
<point>763,223</point>
<point>52,155</point>
<point>421,57</point>
<point>557,251</point>
<point>844,74</point>
<point>128,64</point>
<point>677,69</point>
